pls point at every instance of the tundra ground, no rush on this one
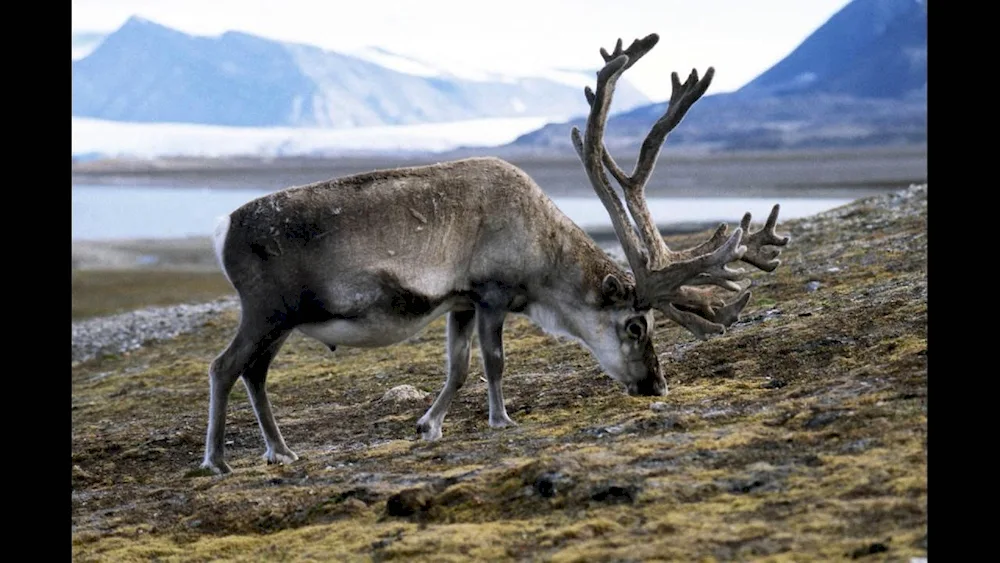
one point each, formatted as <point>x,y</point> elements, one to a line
<point>800,434</point>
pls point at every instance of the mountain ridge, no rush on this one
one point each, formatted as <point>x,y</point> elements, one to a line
<point>145,72</point>
<point>867,49</point>
<point>860,79</point>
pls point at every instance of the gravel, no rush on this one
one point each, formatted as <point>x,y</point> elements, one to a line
<point>128,331</point>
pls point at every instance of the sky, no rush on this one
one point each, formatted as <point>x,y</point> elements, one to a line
<point>740,38</point>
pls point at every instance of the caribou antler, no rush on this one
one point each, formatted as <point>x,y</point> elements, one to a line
<point>757,255</point>
<point>591,151</point>
<point>764,258</point>
<point>665,279</point>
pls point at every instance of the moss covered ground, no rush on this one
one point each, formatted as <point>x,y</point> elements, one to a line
<point>801,434</point>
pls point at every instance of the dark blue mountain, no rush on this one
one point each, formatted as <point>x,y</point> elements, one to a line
<point>869,49</point>
<point>860,79</point>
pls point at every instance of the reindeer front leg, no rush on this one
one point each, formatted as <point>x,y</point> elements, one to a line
<point>460,325</point>
<point>490,326</point>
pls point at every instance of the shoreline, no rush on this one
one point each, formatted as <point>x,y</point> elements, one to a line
<point>168,164</point>
<point>830,172</point>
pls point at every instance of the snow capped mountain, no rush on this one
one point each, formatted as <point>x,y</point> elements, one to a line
<point>84,43</point>
<point>145,72</point>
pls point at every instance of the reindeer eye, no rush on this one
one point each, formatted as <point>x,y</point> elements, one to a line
<point>636,327</point>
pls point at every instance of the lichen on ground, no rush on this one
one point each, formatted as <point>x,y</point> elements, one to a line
<point>799,434</point>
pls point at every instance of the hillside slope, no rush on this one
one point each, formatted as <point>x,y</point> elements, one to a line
<point>800,432</point>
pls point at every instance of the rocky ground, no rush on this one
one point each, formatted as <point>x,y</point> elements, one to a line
<point>798,435</point>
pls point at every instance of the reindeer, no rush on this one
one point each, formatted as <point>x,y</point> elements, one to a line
<point>369,260</point>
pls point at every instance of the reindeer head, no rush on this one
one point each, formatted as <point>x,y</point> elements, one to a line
<point>625,347</point>
<point>677,283</point>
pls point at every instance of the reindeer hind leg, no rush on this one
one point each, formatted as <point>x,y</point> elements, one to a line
<point>249,354</point>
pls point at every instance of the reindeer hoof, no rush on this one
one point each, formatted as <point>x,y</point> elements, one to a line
<point>219,467</point>
<point>502,422</point>
<point>287,457</point>
<point>429,432</point>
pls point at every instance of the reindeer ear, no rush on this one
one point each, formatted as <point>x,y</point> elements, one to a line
<point>613,289</point>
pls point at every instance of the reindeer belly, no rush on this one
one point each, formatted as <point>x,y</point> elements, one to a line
<point>375,329</point>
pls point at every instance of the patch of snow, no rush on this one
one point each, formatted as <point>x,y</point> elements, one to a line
<point>82,51</point>
<point>806,78</point>
<point>150,140</point>
<point>296,108</point>
<point>466,71</point>
<point>416,67</point>
<point>396,62</point>
<point>578,78</point>
<point>85,43</point>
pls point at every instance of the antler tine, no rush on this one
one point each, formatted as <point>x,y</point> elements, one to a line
<point>635,51</point>
<point>711,255</point>
<point>756,254</point>
<point>682,97</point>
<point>704,314</point>
<point>730,312</point>
<point>705,304</point>
<point>591,150</point>
<point>701,302</point>
<point>662,286</point>
<point>633,186</point>
<point>698,325</point>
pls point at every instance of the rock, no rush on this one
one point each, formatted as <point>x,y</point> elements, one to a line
<point>404,394</point>
<point>658,406</point>
<point>822,419</point>
<point>872,549</point>
<point>354,505</point>
<point>615,494</point>
<point>813,286</point>
<point>545,486</point>
<point>551,483</point>
<point>409,502</point>
<point>858,446</point>
<point>760,477</point>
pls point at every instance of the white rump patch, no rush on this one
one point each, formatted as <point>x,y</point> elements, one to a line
<point>219,241</point>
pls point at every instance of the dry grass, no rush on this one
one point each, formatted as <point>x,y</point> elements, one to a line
<point>106,292</point>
